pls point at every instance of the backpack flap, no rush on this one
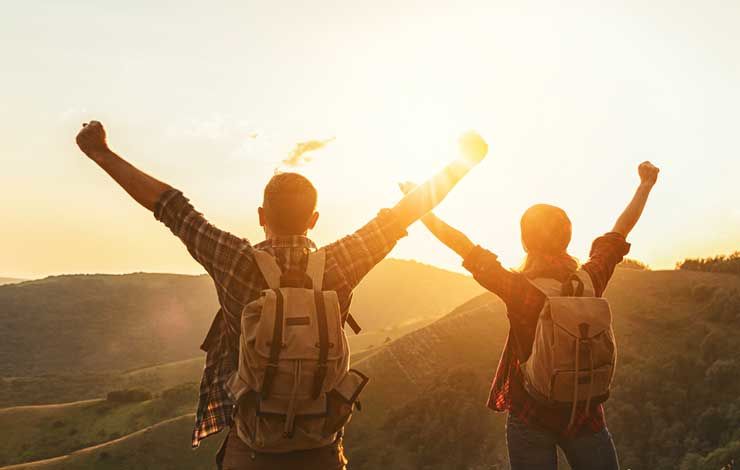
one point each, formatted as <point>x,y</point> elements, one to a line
<point>299,324</point>
<point>571,313</point>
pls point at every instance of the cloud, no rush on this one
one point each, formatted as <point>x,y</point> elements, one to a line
<point>297,156</point>
<point>74,113</point>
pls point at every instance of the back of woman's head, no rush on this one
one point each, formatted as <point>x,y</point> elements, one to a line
<point>546,232</point>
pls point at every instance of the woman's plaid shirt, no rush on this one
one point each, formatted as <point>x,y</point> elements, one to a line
<point>229,260</point>
<point>524,302</point>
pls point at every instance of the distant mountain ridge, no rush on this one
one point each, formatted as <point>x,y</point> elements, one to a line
<point>95,323</point>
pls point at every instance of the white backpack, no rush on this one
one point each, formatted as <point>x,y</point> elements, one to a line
<point>574,353</point>
<point>294,389</point>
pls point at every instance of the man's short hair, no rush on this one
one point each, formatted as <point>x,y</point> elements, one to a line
<point>289,203</point>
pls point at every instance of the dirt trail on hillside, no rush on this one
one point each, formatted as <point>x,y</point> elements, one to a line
<point>87,450</point>
<point>49,406</point>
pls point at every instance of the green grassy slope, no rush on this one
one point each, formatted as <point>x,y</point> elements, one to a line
<point>47,389</point>
<point>40,432</point>
<point>164,447</point>
<point>98,323</point>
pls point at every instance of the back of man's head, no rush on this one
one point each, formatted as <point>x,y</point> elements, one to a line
<point>289,204</point>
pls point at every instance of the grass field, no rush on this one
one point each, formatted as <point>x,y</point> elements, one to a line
<point>40,432</point>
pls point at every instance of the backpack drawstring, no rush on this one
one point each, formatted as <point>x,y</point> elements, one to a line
<point>591,379</point>
<point>575,384</point>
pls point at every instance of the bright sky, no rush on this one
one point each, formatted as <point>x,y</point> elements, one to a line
<point>570,99</point>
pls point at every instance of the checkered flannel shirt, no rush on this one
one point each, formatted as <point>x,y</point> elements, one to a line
<point>524,302</point>
<point>229,260</point>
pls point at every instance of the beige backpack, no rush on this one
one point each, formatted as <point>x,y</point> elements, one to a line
<point>574,352</point>
<point>293,388</point>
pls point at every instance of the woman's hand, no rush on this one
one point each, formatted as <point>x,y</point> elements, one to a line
<point>648,173</point>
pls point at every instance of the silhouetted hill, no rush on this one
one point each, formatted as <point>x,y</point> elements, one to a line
<point>9,280</point>
<point>97,323</point>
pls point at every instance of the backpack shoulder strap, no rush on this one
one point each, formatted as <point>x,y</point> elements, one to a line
<point>588,284</point>
<point>553,288</point>
<point>269,268</point>
<point>315,268</point>
<point>549,287</point>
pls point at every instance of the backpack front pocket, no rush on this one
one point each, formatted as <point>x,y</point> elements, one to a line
<point>567,384</point>
<point>342,400</point>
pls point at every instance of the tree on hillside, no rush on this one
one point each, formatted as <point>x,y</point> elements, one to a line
<point>631,263</point>
<point>717,264</point>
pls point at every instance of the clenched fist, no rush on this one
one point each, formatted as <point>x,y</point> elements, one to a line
<point>91,138</point>
<point>648,173</point>
<point>473,147</point>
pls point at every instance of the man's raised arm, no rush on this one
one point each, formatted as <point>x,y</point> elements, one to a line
<point>426,196</point>
<point>145,189</point>
<point>626,222</point>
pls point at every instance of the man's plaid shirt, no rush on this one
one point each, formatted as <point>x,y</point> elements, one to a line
<point>229,260</point>
<point>524,302</point>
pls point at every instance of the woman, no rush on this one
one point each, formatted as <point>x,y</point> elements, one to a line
<point>534,430</point>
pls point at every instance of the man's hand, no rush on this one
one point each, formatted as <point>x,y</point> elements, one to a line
<point>142,187</point>
<point>648,173</point>
<point>473,147</point>
<point>91,139</point>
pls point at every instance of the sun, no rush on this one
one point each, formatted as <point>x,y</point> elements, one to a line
<point>426,143</point>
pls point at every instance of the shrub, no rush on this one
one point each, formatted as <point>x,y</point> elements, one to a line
<point>182,394</point>
<point>722,373</point>
<point>128,396</point>
<point>718,264</point>
<point>725,306</point>
<point>702,292</point>
<point>630,263</point>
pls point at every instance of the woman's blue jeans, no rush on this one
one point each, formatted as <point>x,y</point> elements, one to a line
<point>531,448</point>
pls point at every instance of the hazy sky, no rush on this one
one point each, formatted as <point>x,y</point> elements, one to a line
<point>211,97</point>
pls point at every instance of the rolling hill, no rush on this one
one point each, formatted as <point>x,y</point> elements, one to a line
<point>9,280</point>
<point>675,403</point>
<point>97,323</point>
<point>47,431</point>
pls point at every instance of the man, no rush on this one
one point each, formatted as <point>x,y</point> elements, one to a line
<point>287,214</point>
